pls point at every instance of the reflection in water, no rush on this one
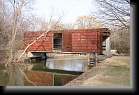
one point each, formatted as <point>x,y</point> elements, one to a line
<point>53,72</point>
<point>11,76</point>
<point>69,64</point>
<point>14,77</point>
<point>47,78</point>
<point>4,78</point>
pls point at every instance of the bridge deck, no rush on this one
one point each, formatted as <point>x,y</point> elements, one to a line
<point>60,52</point>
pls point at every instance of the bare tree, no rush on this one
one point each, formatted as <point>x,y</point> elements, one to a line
<point>18,7</point>
<point>5,28</point>
<point>69,26</point>
<point>55,21</point>
<point>113,12</point>
<point>40,24</point>
<point>86,22</point>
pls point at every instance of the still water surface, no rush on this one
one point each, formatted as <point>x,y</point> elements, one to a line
<point>50,72</point>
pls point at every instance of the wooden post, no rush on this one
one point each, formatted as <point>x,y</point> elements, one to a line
<point>88,56</point>
<point>96,59</point>
<point>53,79</point>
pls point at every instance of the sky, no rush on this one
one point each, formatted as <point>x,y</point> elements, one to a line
<point>72,8</point>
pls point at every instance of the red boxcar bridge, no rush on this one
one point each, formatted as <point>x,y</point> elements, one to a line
<point>83,40</point>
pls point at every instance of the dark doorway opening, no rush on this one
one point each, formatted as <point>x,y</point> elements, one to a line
<point>57,41</point>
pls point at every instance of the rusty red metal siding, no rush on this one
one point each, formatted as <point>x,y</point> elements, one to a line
<point>66,42</point>
<point>42,44</point>
<point>85,41</point>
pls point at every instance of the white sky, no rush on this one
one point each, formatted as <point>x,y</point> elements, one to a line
<point>72,8</point>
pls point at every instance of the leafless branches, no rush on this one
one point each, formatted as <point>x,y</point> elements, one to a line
<point>115,12</point>
<point>11,22</point>
<point>87,22</point>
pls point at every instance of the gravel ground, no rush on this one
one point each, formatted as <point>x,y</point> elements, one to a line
<point>113,71</point>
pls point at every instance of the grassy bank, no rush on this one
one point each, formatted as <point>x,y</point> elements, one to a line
<point>113,71</point>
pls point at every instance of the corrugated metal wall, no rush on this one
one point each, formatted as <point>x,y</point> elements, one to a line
<point>84,42</point>
<point>67,42</point>
<point>43,44</point>
<point>89,40</point>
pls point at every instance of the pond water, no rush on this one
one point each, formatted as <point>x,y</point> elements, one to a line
<point>50,72</point>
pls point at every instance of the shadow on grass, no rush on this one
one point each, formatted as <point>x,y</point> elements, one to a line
<point>122,67</point>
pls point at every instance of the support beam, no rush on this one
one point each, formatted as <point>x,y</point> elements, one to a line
<point>108,45</point>
<point>96,59</point>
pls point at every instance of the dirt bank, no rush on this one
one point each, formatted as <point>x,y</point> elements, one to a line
<point>113,71</point>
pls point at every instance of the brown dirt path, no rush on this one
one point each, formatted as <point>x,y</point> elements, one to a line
<point>113,71</point>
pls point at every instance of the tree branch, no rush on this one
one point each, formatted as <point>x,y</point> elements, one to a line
<point>31,44</point>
